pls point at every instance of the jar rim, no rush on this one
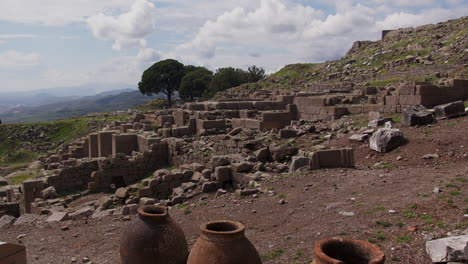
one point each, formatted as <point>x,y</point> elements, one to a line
<point>222,227</point>
<point>153,211</point>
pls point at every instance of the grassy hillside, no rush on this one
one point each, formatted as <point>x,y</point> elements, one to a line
<point>22,143</point>
<point>428,53</point>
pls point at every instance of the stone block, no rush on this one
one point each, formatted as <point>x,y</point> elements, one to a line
<point>332,158</point>
<point>124,143</point>
<point>93,147</point>
<point>449,110</point>
<point>298,163</point>
<point>105,143</point>
<point>386,139</point>
<point>223,173</point>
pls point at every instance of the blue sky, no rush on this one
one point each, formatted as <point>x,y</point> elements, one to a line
<point>68,43</point>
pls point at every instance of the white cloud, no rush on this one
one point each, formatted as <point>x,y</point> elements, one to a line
<point>405,19</point>
<point>294,33</point>
<point>55,12</point>
<point>16,36</point>
<point>126,30</point>
<point>15,59</point>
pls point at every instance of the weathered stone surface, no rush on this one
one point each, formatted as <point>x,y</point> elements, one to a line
<point>100,213</point>
<point>219,161</point>
<point>130,209</point>
<point>223,173</point>
<point>3,181</point>
<point>359,137</point>
<point>287,133</point>
<point>262,154</point>
<point>332,158</point>
<point>208,187</point>
<point>386,139</point>
<point>6,221</point>
<point>299,162</point>
<point>449,110</point>
<point>49,192</point>
<point>279,153</point>
<point>235,131</point>
<point>246,192</point>
<point>105,201</point>
<point>26,219</point>
<point>82,213</point>
<point>448,249</point>
<point>122,193</point>
<point>57,217</point>
<point>147,201</point>
<point>416,115</point>
<point>242,166</point>
<point>379,122</point>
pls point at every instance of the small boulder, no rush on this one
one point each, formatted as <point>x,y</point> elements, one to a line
<point>6,221</point>
<point>122,193</point>
<point>26,219</point>
<point>57,217</point>
<point>279,153</point>
<point>386,139</point>
<point>298,163</point>
<point>449,110</point>
<point>449,249</point>
<point>379,122</point>
<point>216,161</point>
<point>262,155</point>
<point>82,213</point>
<point>209,187</point>
<point>49,193</point>
<point>416,115</point>
<point>359,137</point>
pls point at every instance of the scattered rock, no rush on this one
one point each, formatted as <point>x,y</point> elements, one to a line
<point>431,156</point>
<point>49,192</point>
<point>416,115</point>
<point>82,213</point>
<point>449,110</point>
<point>386,139</point>
<point>26,219</point>
<point>57,217</point>
<point>6,221</point>
<point>359,137</point>
<point>448,249</point>
<point>298,163</point>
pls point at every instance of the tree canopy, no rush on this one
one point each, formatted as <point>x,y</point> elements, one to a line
<point>229,77</point>
<point>163,76</point>
<point>194,83</point>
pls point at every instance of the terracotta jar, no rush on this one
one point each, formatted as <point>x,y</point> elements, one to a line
<point>337,250</point>
<point>153,237</point>
<point>223,242</point>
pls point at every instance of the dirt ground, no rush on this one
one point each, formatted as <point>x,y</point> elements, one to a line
<point>286,233</point>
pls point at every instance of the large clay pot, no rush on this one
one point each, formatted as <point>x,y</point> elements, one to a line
<point>223,242</point>
<point>337,250</point>
<point>153,237</point>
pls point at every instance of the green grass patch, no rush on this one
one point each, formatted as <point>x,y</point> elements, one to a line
<point>382,83</point>
<point>383,223</point>
<point>272,255</point>
<point>455,193</point>
<point>403,239</point>
<point>21,177</point>
<point>409,214</point>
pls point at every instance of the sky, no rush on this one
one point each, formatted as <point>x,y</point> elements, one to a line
<point>69,43</point>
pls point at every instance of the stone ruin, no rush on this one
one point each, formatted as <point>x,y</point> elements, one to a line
<point>205,146</point>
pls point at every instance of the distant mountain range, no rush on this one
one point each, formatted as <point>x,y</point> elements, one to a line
<point>70,106</point>
<point>57,95</point>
